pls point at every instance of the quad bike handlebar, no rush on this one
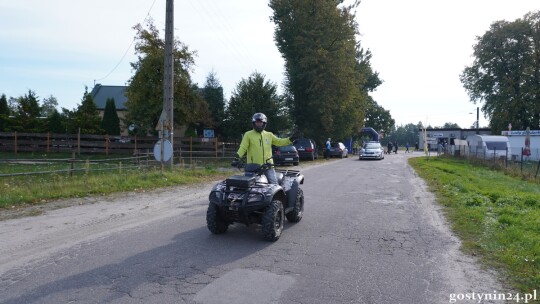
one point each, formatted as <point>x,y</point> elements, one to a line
<point>255,168</point>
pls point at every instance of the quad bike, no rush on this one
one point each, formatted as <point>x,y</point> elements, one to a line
<point>250,199</point>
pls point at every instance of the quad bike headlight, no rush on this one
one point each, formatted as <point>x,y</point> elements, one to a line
<point>258,194</point>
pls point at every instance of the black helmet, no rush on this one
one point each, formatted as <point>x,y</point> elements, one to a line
<point>260,117</point>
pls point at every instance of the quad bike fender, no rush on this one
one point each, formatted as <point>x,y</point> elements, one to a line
<point>277,194</point>
<point>291,196</point>
<point>300,179</point>
<point>215,193</point>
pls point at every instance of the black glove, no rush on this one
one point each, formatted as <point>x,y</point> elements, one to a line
<point>296,135</point>
<point>236,160</point>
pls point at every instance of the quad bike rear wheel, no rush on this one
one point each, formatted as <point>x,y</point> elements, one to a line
<point>272,221</point>
<point>296,214</point>
<point>214,222</point>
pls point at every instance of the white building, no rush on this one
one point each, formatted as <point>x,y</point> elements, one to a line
<point>517,142</point>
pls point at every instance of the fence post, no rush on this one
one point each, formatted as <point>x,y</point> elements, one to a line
<point>15,142</point>
<point>521,163</point>
<point>135,150</point>
<point>79,143</point>
<point>191,149</point>
<point>71,167</point>
<point>216,145</point>
<point>537,168</point>
<point>48,142</point>
<point>86,166</point>
<point>107,144</point>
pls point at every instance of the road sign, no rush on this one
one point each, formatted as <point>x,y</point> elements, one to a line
<point>167,150</point>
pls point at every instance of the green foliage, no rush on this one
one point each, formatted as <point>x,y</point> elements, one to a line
<point>145,89</point>
<point>27,116</point>
<point>253,95</point>
<point>4,107</point>
<point>56,122</point>
<point>110,123</point>
<point>191,131</point>
<point>85,117</point>
<point>38,189</point>
<point>378,118</point>
<point>505,74</point>
<point>48,106</point>
<point>496,215</point>
<point>4,114</point>
<point>403,134</point>
<point>328,74</point>
<point>213,94</point>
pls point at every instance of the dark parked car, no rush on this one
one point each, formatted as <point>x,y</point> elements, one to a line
<point>285,155</point>
<point>307,149</point>
<point>338,150</point>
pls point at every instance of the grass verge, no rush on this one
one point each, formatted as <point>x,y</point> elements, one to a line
<point>496,216</point>
<point>37,189</point>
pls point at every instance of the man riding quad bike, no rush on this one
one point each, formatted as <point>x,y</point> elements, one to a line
<point>250,199</point>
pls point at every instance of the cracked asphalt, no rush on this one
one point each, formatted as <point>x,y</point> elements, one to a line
<point>371,233</point>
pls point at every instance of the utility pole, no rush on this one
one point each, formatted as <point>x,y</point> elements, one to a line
<point>168,77</point>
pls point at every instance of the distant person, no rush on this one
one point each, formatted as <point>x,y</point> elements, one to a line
<point>356,145</point>
<point>396,147</point>
<point>328,146</point>
<point>389,147</point>
<point>416,147</point>
<point>407,148</point>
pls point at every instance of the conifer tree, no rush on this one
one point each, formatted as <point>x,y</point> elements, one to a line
<point>110,123</point>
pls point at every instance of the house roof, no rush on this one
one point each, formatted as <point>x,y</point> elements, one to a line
<point>100,94</point>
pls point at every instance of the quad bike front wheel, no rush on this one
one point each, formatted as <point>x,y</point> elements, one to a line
<point>214,222</point>
<point>272,221</point>
<point>296,214</point>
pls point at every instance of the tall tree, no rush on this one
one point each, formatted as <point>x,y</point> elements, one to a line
<point>27,117</point>
<point>450,125</point>
<point>505,74</point>
<point>56,122</point>
<point>85,117</point>
<point>253,95</point>
<point>110,122</point>
<point>48,106</point>
<point>145,88</point>
<point>4,107</point>
<point>213,94</point>
<point>378,118</point>
<point>4,113</point>
<point>317,39</point>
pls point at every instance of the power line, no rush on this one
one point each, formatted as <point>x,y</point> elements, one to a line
<point>128,48</point>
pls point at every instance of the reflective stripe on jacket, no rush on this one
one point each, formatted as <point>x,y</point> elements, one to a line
<point>259,146</point>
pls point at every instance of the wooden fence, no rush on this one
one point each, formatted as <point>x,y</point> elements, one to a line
<point>184,147</point>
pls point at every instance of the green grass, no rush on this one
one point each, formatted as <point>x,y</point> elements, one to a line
<point>38,189</point>
<point>497,216</point>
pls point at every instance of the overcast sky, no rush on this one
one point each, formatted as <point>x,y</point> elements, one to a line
<point>419,47</point>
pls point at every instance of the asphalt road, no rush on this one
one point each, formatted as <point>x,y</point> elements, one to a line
<point>371,233</point>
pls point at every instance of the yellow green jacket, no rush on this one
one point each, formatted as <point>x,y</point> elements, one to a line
<point>259,146</point>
